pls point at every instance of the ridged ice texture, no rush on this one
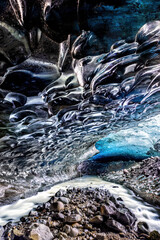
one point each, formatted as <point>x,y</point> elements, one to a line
<point>113,95</point>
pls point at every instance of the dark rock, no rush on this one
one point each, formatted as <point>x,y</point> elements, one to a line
<point>33,213</point>
<point>101,236</point>
<point>122,234</point>
<point>57,206</point>
<point>125,217</point>
<point>58,216</point>
<point>120,199</point>
<point>60,193</point>
<point>154,236</point>
<point>74,218</point>
<point>115,226</point>
<point>107,210</point>
<point>96,220</point>
<point>64,235</point>
<point>54,224</point>
<point>71,225</point>
<point>143,227</point>
<point>142,178</point>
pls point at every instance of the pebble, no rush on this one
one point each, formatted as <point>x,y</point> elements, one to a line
<point>97,219</point>
<point>101,236</point>
<point>64,200</point>
<point>58,216</point>
<point>74,218</point>
<point>67,229</point>
<point>17,232</point>
<point>57,206</point>
<point>107,210</point>
<point>40,232</point>
<point>74,232</point>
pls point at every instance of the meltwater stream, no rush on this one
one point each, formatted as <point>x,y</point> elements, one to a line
<point>143,211</point>
<point>107,103</point>
<point>105,111</point>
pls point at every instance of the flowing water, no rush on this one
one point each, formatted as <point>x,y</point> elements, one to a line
<point>112,115</point>
<point>143,211</point>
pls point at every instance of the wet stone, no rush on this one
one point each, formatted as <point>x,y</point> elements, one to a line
<point>143,227</point>
<point>115,226</point>
<point>33,213</point>
<point>68,224</point>
<point>154,236</point>
<point>58,216</point>
<point>64,200</point>
<point>74,218</point>
<point>97,219</point>
<point>107,210</point>
<point>57,206</point>
<point>54,224</point>
<point>1,232</point>
<point>17,233</point>
<point>60,193</point>
<point>40,232</point>
<point>74,232</point>
<point>120,199</point>
<point>101,236</point>
<point>63,234</point>
<point>67,229</point>
<point>125,217</point>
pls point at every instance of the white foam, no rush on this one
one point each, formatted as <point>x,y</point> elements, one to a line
<point>142,210</point>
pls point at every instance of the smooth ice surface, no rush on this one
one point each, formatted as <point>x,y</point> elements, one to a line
<point>132,143</point>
